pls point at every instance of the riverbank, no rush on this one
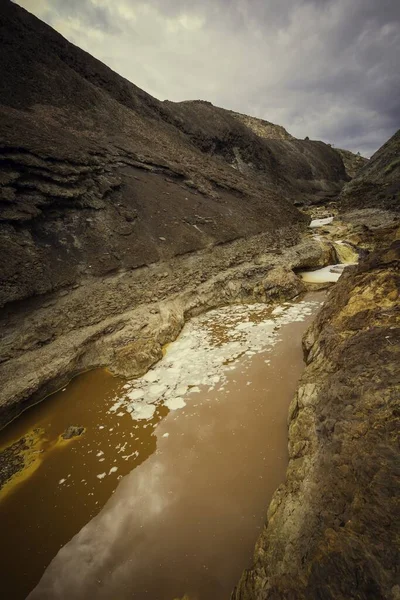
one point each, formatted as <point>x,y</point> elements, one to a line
<point>332,530</point>
<point>123,321</point>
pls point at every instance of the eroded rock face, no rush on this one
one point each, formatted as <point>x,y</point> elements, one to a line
<point>135,359</point>
<point>332,530</point>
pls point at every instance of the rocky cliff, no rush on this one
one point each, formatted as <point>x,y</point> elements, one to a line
<point>353,163</point>
<point>377,185</point>
<point>332,531</point>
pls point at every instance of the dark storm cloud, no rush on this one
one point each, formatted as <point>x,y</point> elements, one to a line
<point>323,68</point>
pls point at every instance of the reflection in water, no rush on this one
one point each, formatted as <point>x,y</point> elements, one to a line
<point>67,482</point>
<point>185,521</point>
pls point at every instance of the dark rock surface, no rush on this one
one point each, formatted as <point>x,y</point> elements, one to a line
<point>333,527</point>
<point>377,185</point>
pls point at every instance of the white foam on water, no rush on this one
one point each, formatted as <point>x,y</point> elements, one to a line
<point>101,475</point>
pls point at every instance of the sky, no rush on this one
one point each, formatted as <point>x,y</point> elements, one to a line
<point>326,69</point>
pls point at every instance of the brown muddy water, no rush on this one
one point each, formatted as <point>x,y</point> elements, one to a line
<point>193,451</point>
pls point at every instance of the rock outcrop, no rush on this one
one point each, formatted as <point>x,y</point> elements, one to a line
<point>106,320</point>
<point>332,529</point>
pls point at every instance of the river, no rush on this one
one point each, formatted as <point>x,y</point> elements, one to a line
<point>167,488</point>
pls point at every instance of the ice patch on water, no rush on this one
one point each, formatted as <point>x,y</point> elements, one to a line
<point>320,222</point>
<point>135,395</point>
<point>205,352</point>
<point>143,411</point>
<point>151,377</point>
<point>328,274</point>
<point>175,403</point>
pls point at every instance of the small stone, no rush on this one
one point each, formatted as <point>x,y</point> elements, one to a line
<point>72,431</point>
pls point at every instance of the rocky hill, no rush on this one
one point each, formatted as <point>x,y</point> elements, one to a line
<point>91,161</point>
<point>377,185</point>
<point>302,171</point>
<point>353,163</point>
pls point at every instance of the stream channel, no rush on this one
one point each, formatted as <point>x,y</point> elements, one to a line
<point>166,490</point>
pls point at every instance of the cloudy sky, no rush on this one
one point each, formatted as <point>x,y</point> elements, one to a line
<point>327,69</point>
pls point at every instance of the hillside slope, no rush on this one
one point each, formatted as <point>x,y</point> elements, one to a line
<point>91,161</point>
<point>303,171</point>
<point>377,185</point>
